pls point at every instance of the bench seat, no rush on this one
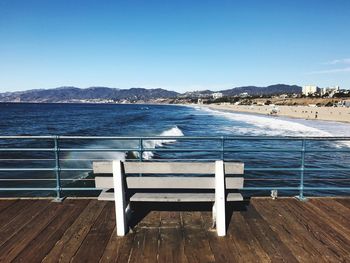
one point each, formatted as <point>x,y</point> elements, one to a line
<point>172,197</point>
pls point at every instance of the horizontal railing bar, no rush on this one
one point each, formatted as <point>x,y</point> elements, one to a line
<point>98,150</point>
<point>50,189</point>
<point>180,150</point>
<point>261,150</point>
<point>27,149</point>
<point>244,189</point>
<point>5,137</point>
<point>297,188</point>
<point>333,138</point>
<point>321,151</point>
<point>246,169</point>
<point>43,169</point>
<point>157,150</point>
<point>246,179</point>
<point>83,159</point>
<point>46,179</point>
<point>297,169</point>
<point>26,160</point>
<point>271,169</point>
<point>25,169</point>
<point>28,189</point>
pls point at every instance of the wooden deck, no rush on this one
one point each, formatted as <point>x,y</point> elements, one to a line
<point>265,230</point>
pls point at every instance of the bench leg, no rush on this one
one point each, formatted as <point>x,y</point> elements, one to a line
<point>220,200</point>
<point>214,215</point>
<point>119,198</point>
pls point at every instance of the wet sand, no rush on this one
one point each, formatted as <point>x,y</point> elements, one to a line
<point>341,114</point>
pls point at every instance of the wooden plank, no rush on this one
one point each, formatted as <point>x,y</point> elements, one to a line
<point>339,213</point>
<point>181,197</point>
<point>234,168</point>
<point>300,248</point>
<point>247,248</point>
<point>172,197</point>
<point>10,249</point>
<point>344,201</point>
<point>37,249</point>
<point>300,232</point>
<point>6,203</point>
<point>330,219</point>
<point>196,245</point>
<point>171,246</point>
<point>171,243</point>
<point>150,219</point>
<point>118,249</point>
<point>320,229</point>
<point>145,245</point>
<point>31,210</point>
<point>95,242</point>
<point>13,210</point>
<point>222,250</point>
<point>168,168</point>
<point>147,231</point>
<point>106,196</point>
<point>71,240</point>
<point>269,240</point>
<point>148,182</point>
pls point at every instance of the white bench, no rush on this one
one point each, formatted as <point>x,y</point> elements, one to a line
<point>121,183</point>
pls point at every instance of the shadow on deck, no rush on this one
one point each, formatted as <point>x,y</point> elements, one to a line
<point>265,230</point>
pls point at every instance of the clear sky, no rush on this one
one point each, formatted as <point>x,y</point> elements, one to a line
<point>177,45</point>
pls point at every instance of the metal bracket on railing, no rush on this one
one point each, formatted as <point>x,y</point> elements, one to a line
<point>274,194</point>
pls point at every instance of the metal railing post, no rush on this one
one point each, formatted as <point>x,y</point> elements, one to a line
<point>140,151</point>
<point>58,198</point>
<point>301,196</point>
<point>222,148</point>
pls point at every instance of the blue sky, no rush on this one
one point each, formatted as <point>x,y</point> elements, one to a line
<point>177,45</point>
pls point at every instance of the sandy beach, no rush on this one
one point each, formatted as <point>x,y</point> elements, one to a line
<point>341,114</point>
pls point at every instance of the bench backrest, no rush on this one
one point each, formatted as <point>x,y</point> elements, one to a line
<point>174,182</point>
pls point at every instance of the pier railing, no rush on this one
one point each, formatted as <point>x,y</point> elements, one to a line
<point>50,154</point>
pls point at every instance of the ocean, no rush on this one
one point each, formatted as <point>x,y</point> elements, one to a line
<point>165,120</point>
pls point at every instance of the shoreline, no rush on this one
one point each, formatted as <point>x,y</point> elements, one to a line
<point>298,112</point>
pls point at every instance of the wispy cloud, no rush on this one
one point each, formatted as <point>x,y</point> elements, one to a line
<point>338,61</point>
<point>328,71</point>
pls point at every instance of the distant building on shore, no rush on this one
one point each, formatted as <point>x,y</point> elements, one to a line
<point>244,95</point>
<point>310,89</point>
<point>217,95</point>
<point>330,91</point>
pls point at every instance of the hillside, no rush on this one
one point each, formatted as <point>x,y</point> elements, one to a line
<point>69,94</point>
<point>74,94</point>
<point>269,90</point>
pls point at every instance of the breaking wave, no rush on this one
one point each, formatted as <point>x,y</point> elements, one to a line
<point>266,125</point>
<point>85,159</point>
<point>152,144</point>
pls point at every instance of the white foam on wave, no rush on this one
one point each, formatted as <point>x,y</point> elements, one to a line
<point>152,144</point>
<point>263,125</point>
<point>85,159</point>
<point>260,125</point>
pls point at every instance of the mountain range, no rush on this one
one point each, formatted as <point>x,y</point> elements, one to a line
<point>73,94</point>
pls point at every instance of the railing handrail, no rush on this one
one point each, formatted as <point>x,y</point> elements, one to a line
<point>240,137</point>
<point>221,148</point>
